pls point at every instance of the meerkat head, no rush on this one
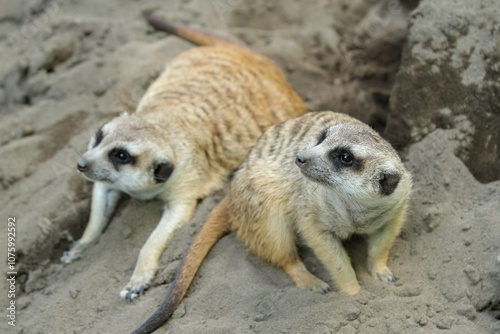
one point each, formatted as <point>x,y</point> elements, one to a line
<point>353,161</point>
<point>129,154</point>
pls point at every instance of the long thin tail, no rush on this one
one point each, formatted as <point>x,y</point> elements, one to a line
<point>216,226</point>
<point>193,35</point>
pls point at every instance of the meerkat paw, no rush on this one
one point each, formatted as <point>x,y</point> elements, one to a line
<point>383,275</point>
<point>316,285</point>
<point>74,253</point>
<point>351,289</point>
<point>321,287</point>
<point>137,285</point>
<point>304,279</point>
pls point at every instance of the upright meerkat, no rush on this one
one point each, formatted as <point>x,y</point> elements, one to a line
<point>192,128</point>
<point>318,179</point>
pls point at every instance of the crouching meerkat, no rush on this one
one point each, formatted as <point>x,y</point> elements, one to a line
<point>192,128</point>
<point>318,179</point>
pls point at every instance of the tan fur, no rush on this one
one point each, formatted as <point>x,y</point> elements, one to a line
<point>321,199</point>
<point>192,128</point>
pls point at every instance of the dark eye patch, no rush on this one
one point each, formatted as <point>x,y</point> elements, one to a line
<point>322,137</point>
<point>344,158</point>
<point>98,137</point>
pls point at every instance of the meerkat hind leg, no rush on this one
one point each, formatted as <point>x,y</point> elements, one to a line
<point>274,240</point>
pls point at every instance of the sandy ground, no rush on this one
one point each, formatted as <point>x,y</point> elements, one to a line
<point>62,66</point>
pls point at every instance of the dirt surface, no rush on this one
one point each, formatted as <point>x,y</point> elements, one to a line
<point>64,65</point>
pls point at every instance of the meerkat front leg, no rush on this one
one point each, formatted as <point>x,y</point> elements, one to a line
<point>176,214</point>
<point>103,204</point>
<point>332,253</point>
<point>379,245</point>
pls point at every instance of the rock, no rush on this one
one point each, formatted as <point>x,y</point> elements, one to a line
<point>56,50</point>
<point>167,275</point>
<point>472,274</point>
<point>445,323</point>
<point>73,293</point>
<point>453,65</point>
<point>468,312</point>
<point>126,232</point>
<point>28,130</point>
<point>351,315</point>
<point>180,311</point>
<point>23,302</point>
<point>347,330</point>
<point>432,220</point>
<point>452,293</point>
<point>331,39</point>
<point>409,291</point>
<point>37,280</point>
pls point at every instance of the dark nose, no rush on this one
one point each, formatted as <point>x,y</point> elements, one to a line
<point>81,166</point>
<point>300,160</point>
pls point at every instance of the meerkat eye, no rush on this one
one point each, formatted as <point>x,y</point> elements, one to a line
<point>346,158</point>
<point>120,156</point>
<point>342,157</point>
<point>123,156</point>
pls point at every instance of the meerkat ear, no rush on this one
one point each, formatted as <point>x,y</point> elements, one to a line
<point>388,182</point>
<point>162,170</point>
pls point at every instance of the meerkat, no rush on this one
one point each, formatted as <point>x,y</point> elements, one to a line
<point>317,179</point>
<point>192,128</point>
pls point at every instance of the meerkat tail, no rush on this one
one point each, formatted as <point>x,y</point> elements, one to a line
<point>193,35</point>
<point>216,226</point>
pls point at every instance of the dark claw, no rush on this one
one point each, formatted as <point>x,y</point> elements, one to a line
<point>129,296</point>
<point>392,278</point>
<point>325,291</point>
<point>132,294</point>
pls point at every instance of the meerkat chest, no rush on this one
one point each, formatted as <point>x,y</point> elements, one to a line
<point>143,190</point>
<point>345,220</point>
<point>144,194</point>
<point>337,222</point>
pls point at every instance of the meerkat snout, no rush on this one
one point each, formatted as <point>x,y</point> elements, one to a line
<point>82,165</point>
<point>300,160</point>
